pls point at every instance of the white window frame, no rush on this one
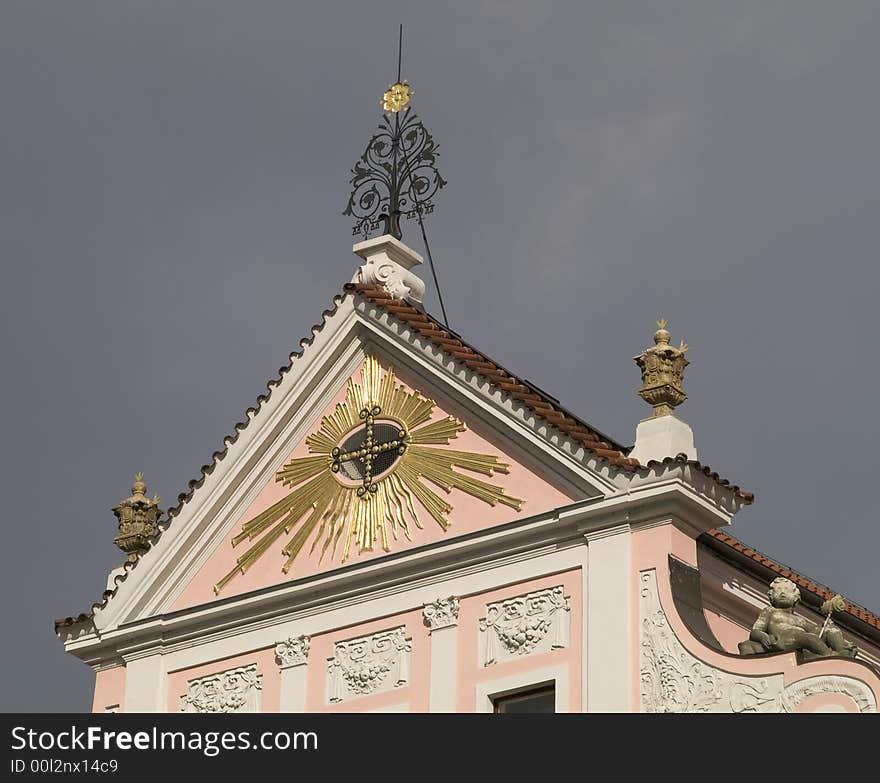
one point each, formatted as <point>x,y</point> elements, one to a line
<point>557,676</point>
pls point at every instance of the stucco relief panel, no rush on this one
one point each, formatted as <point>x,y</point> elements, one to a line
<point>674,680</point>
<point>536,622</point>
<point>369,664</point>
<point>233,690</point>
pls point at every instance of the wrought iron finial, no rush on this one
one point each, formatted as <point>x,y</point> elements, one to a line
<point>662,367</point>
<point>397,95</point>
<point>397,174</point>
<point>138,516</point>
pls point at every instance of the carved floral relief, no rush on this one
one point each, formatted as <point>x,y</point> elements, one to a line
<point>293,651</point>
<point>368,664</point>
<point>235,690</point>
<point>535,622</point>
<point>442,613</point>
<point>674,680</point>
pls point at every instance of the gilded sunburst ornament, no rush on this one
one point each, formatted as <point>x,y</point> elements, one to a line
<point>371,459</point>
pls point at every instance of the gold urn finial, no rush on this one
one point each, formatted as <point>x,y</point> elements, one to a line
<point>662,367</point>
<point>138,516</point>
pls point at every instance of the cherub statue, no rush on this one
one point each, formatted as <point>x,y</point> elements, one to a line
<point>779,629</point>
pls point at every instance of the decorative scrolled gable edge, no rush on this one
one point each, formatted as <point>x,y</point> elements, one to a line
<point>677,672</point>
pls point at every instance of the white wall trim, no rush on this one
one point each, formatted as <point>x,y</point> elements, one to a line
<point>609,621</point>
<point>386,575</point>
<point>345,614</point>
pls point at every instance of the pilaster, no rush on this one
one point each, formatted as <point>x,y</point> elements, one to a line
<point>292,656</point>
<point>441,616</point>
<point>608,620</point>
<point>145,684</point>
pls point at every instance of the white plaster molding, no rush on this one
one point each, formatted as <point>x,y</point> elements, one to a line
<point>520,546</point>
<point>441,562</point>
<point>293,651</point>
<point>446,562</point>
<point>487,691</point>
<point>800,691</point>
<point>145,684</point>
<point>292,657</point>
<point>663,436</point>
<point>444,668</point>
<point>233,690</point>
<point>292,689</point>
<point>234,639</point>
<point>608,618</point>
<point>111,577</point>
<point>435,563</point>
<point>388,262</point>
<point>655,500</point>
<point>368,664</point>
<point>442,613</point>
<point>673,680</point>
<point>535,622</point>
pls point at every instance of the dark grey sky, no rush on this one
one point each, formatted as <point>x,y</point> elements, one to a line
<point>171,181</point>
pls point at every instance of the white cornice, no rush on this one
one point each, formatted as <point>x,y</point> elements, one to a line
<point>437,562</point>
<point>356,327</point>
<point>296,400</point>
<point>360,581</point>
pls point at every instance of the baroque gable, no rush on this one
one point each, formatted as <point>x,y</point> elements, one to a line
<point>433,475</point>
<point>241,483</point>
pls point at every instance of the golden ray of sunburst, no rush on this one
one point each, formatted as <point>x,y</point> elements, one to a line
<point>325,507</point>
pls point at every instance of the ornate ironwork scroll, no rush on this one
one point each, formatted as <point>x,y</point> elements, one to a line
<point>397,175</point>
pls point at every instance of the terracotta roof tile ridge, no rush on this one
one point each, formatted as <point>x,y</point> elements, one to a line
<point>816,588</point>
<point>540,402</point>
<point>747,497</point>
<point>532,396</point>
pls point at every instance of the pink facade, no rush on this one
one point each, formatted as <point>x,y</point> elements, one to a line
<point>470,673</point>
<point>469,514</point>
<point>476,677</point>
<point>605,591</point>
<point>651,550</point>
<point>109,690</point>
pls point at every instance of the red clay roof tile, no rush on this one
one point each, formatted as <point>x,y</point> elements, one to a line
<point>721,541</point>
